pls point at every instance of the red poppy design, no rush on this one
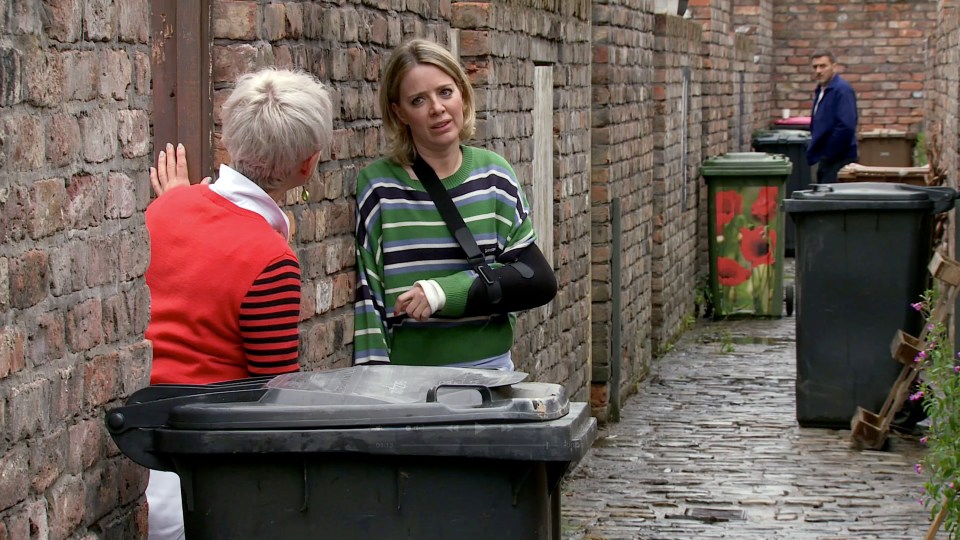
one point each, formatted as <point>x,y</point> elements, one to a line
<point>765,207</point>
<point>730,273</point>
<point>729,204</point>
<point>758,245</point>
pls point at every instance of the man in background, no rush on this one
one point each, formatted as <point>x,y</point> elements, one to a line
<point>833,124</point>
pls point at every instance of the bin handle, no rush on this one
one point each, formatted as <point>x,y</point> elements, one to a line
<point>942,197</point>
<point>485,395</point>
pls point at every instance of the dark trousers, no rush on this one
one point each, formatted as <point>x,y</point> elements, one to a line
<point>827,170</point>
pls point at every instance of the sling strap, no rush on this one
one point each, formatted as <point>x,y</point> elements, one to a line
<point>451,216</point>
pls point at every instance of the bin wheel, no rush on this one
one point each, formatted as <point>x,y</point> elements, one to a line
<point>789,297</point>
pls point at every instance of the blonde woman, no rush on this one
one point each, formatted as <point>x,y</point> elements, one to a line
<point>419,301</point>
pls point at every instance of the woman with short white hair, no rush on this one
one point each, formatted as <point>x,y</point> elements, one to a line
<point>224,282</point>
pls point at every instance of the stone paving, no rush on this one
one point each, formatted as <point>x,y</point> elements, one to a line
<point>710,448</point>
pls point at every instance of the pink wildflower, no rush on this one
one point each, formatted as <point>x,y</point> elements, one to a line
<point>923,440</point>
<point>918,468</point>
<point>917,306</point>
<point>918,395</point>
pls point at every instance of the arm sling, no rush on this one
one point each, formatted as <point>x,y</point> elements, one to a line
<point>451,216</point>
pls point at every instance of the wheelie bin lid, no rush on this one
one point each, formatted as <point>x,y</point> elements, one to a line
<point>781,136</point>
<point>794,122</point>
<point>871,196</point>
<point>743,164</point>
<point>369,409</point>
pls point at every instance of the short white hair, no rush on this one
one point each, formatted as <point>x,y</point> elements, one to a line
<point>273,121</point>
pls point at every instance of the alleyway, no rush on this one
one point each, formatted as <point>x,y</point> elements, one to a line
<point>710,448</point>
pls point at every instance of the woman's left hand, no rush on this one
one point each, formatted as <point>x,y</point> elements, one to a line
<point>171,170</point>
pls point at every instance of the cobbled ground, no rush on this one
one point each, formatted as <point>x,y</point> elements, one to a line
<point>709,447</point>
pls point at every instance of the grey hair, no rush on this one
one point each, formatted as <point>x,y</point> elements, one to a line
<point>273,121</point>
<point>416,52</point>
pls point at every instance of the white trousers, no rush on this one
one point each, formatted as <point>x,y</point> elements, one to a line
<point>164,508</point>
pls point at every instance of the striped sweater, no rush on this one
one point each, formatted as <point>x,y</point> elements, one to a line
<point>401,238</point>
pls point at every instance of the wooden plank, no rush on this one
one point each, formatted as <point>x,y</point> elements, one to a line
<point>866,430</point>
<point>163,66</point>
<point>181,63</point>
<point>195,96</point>
<point>905,348</point>
<point>945,269</point>
<point>542,192</point>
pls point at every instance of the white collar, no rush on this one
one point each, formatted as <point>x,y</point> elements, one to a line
<point>241,191</point>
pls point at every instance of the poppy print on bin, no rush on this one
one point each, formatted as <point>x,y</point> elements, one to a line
<point>747,220</point>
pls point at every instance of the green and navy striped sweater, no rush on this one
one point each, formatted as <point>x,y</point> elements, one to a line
<point>401,238</point>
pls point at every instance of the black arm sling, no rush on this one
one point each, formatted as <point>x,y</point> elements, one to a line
<point>451,216</point>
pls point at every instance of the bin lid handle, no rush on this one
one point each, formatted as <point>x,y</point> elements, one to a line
<point>485,395</point>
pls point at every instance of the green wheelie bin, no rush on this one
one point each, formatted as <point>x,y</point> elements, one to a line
<point>745,232</point>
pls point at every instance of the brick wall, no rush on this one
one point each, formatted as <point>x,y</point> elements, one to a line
<point>719,106</point>
<point>678,132</point>
<point>943,89</point>
<point>880,44</point>
<point>74,145</point>
<point>942,111</point>
<point>622,167</point>
<point>754,18</point>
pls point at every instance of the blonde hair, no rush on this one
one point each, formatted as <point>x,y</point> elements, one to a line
<point>273,121</point>
<point>400,147</point>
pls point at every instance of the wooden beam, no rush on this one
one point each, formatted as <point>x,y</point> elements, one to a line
<point>182,63</point>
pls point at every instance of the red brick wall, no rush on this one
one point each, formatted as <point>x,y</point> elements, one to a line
<point>676,191</point>
<point>623,167</point>
<point>942,120</point>
<point>754,18</point>
<point>719,113</point>
<point>880,44</point>
<point>74,148</point>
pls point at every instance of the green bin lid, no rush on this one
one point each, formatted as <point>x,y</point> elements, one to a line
<point>746,164</point>
<point>781,136</point>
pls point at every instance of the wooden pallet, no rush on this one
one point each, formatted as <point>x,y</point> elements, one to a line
<point>870,430</point>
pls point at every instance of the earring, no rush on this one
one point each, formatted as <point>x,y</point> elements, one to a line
<point>305,195</point>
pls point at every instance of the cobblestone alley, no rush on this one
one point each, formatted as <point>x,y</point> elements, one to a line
<point>710,448</point>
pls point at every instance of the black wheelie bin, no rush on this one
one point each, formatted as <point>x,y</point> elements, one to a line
<point>862,255</point>
<point>365,452</point>
<point>793,144</point>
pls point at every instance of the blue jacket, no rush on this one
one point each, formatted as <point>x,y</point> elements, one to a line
<point>833,126</point>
